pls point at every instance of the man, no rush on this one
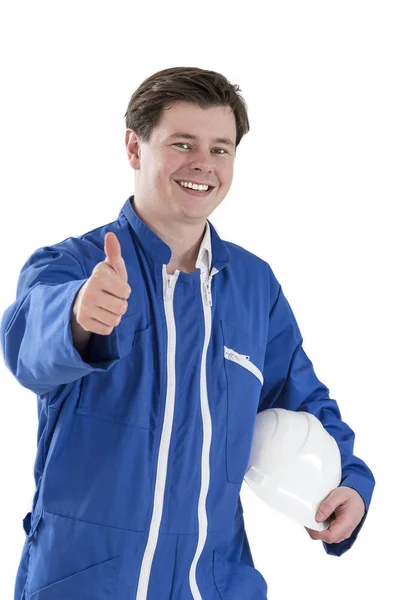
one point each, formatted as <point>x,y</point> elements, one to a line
<point>128,335</point>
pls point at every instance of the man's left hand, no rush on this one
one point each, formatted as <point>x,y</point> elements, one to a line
<point>348,508</point>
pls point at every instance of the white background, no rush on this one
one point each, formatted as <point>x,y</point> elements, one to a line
<point>315,194</point>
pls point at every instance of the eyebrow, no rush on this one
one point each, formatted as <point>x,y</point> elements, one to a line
<point>189,136</point>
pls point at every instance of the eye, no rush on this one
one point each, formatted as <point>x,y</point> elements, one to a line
<point>181,144</point>
<point>185,144</point>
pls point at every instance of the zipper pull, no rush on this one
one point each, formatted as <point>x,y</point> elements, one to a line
<point>207,294</point>
<point>168,291</point>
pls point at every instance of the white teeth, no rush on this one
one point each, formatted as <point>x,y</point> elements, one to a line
<point>194,186</point>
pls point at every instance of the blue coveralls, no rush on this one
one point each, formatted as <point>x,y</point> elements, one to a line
<point>145,437</point>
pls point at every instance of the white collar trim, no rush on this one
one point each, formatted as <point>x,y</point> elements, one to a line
<point>205,253</point>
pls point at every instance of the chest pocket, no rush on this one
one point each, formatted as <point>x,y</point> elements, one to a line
<point>243,361</point>
<point>124,393</point>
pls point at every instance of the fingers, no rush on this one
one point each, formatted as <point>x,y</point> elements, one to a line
<point>337,531</point>
<point>109,302</point>
<point>113,285</point>
<point>95,326</point>
<point>101,317</point>
<point>95,318</point>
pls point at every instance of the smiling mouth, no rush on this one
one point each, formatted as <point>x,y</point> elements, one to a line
<point>194,192</point>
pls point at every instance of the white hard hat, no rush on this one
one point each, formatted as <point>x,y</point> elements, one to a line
<point>294,464</point>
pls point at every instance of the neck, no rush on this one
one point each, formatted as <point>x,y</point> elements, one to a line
<point>184,242</point>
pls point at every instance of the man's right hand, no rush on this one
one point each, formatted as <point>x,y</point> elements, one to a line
<point>102,300</point>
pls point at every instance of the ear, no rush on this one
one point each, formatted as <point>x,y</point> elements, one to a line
<point>132,143</point>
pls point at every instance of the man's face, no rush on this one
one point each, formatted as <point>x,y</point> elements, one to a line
<point>168,158</point>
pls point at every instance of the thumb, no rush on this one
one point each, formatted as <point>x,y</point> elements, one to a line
<point>328,506</point>
<point>114,258</point>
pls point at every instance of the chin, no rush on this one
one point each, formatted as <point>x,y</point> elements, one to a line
<point>194,212</point>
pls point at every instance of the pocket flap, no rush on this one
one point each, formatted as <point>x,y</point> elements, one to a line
<point>242,343</point>
<point>126,333</point>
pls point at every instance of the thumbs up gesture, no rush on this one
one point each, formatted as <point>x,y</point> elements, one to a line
<point>102,300</point>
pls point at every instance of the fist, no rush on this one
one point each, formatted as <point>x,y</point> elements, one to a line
<point>102,300</point>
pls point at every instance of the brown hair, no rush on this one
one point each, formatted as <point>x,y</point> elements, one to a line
<point>191,84</point>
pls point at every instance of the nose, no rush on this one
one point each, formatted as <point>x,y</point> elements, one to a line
<point>201,161</point>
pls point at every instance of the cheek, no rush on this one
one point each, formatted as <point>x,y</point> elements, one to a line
<point>225,174</point>
<point>160,167</point>
<point>171,167</point>
<point>159,176</point>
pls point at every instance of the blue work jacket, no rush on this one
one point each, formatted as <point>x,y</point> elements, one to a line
<point>144,437</point>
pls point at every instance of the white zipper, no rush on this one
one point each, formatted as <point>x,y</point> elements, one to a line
<point>169,282</point>
<point>205,288</point>
<point>207,291</point>
<point>244,361</point>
